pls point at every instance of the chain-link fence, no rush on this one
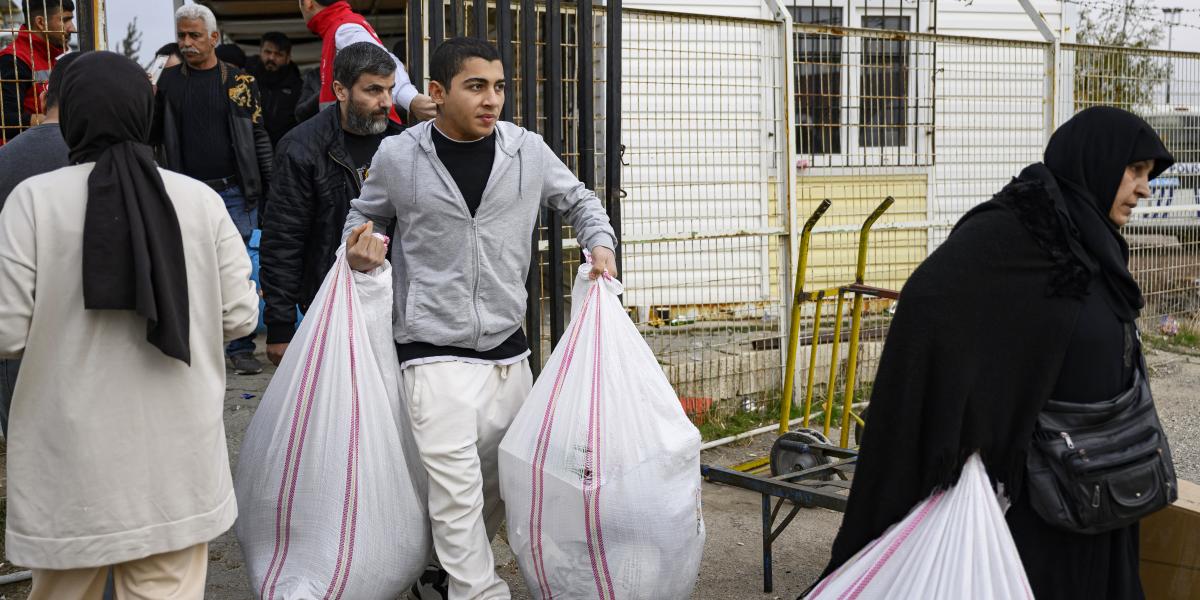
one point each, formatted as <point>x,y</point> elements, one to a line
<point>704,219</point>
<point>1164,235</point>
<point>33,34</point>
<point>720,177</point>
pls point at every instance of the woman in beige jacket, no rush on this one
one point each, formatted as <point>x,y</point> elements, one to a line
<point>119,284</point>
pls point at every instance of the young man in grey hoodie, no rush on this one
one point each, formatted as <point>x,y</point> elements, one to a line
<point>463,192</point>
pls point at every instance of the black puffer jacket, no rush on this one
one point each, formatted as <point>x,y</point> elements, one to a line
<point>302,224</point>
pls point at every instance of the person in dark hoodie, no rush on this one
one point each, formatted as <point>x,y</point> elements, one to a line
<point>232,54</point>
<point>279,83</point>
<point>1029,299</point>
<point>310,95</point>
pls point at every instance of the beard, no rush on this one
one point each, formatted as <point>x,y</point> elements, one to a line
<point>365,122</point>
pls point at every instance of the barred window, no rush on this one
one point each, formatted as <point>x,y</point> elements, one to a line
<point>818,73</point>
<point>883,101</point>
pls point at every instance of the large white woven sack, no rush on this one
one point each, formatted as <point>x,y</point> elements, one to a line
<point>328,505</point>
<point>600,471</point>
<point>952,546</point>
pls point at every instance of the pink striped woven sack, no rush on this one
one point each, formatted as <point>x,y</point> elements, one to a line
<point>600,471</point>
<point>328,505</point>
<point>952,546</point>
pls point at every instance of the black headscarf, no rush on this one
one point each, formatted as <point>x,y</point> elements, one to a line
<point>132,248</point>
<point>1088,156</point>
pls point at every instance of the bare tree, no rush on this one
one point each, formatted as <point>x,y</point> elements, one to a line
<point>1112,75</point>
<point>132,44</point>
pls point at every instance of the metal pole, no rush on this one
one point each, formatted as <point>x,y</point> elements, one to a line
<point>1172,20</point>
<point>831,388</point>
<point>529,109</point>
<point>860,274</point>
<point>480,10</point>
<point>504,39</point>
<point>437,23</point>
<point>91,23</point>
<point>612,147</point>
<point>456,18</point>
<point>585,97</point>
<point>789,375</point>
<point>416,44</point>
<point>553,135</point>
<point>767,522</point>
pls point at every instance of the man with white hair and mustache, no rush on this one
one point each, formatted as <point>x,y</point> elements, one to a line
<point>209,126</point>
<point>320,166</point>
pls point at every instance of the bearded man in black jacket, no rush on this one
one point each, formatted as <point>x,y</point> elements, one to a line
<point>320,166</point>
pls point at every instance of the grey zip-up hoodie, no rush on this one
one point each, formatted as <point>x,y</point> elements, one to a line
<point>460,281</point>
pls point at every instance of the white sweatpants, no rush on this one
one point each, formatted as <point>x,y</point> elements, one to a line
<point>460,412</point>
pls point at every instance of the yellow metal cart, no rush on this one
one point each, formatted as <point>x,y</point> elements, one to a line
<point>805,468</point>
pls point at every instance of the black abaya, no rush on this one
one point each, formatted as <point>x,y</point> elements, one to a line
<point>1028,299</point>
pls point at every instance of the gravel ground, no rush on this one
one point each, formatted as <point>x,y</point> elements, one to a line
<point>732,567</point>
<point>1175,379</point>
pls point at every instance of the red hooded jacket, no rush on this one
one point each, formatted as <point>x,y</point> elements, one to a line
<point>325,25</point>
<point>38,55</point>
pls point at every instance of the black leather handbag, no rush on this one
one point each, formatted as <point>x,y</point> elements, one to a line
<point>1101,466</point>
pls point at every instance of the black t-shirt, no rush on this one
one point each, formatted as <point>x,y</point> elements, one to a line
<point>470,164</point>
<point>207,151</point>
<point>361,149</point>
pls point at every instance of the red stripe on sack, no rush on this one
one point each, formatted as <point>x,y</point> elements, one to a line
<point>537,491</point>
<point>322,321</point>
<point>866,578</point>
<point>591,488</point>
<point>599,529</point>
<point>825,582</point>
<point>339,580</point>
<point>356,439</point>
<point>287,538</point>
<point>354,506</point>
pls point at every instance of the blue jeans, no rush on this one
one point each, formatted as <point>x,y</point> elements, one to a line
<point>245,221</point>
<point>8,382</point>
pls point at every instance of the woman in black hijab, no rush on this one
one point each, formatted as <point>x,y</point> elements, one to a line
<point>1030,298</point>
<point>119,283</point>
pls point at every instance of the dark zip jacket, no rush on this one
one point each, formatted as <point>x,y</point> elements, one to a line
<point>315,180</point>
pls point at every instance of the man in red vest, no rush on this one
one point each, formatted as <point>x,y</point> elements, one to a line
<point>339,26</point>
<point>25,64</point>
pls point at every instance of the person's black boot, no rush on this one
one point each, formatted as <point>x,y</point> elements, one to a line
<point>434,584</point>
<point>245,364</point>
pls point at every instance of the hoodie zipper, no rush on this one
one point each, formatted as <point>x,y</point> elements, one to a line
<point>444,173</point>
<point>462,203</point>
<point>475,288</point>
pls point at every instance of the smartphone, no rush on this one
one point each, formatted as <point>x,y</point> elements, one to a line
<point>156,68</point>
